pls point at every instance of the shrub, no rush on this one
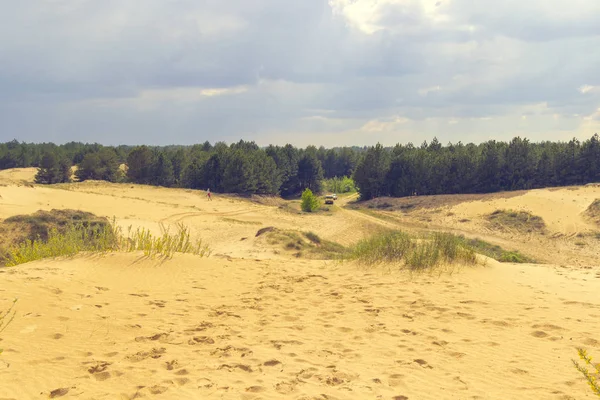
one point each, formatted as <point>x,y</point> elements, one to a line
<point>591,377</point>
<point>310,202</point>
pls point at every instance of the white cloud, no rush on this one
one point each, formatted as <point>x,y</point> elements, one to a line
<point>589,89</point>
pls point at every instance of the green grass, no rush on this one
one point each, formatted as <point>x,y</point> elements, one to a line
<point>592,376</point>
<point>6,317</point>
<point>78,237</point>
<point>520,221</point>
<point>414,253</point>
<point>497,252</point>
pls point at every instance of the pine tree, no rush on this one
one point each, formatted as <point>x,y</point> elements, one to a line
<point>163,173</point>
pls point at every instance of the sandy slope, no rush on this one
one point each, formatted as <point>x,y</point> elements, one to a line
<point>248,323</point>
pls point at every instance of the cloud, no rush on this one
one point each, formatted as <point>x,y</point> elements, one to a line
<point>299,71</point>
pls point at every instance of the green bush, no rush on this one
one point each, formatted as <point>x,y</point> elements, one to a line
<point>310,202</point>
<point>591,377</point>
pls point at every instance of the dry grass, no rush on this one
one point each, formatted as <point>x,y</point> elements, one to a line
<point>82,236</point>
<point>413,252</point>
<point>6,318</point>
<point>21,228</point>
<point>306,245</point>
<point>497,252</point>
<point>519,221</point>
<point>407,204</point>
<point>592,213</point>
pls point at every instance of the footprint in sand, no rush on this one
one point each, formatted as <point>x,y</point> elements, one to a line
<point>255,389</point>
<point>142,355</point>
<point>231,350</point>
<point>233,367</point>
<point>201,340</point>
<point>159,336</point>
<point>539,334</point>
<point>157,389</point>
<point>423,363</point>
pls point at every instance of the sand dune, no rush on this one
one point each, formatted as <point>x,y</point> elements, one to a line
<point>253,323</point>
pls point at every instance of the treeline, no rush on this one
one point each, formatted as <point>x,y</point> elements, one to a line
<point>489,167</point>
<point>246,168</point>
<point>241,167</point>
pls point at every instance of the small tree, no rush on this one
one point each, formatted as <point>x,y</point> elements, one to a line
<point>310,202</point>
<point>53,169</point>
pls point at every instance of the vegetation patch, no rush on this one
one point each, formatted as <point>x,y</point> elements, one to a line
<point>310,202</point>
<point>96,235</point>
<point>592,213</point>
<point>19,229</point>
<point>308,245</point>
<point>497,252</point>
<point>339,185</point>
<point>237,221</point>
<point>6,317</point>
<point>591,375</point>
<point>264,230</point>
<point>412,252</point>
<point>520,221</point>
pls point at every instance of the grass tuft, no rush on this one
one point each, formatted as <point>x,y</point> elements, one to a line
<point>591,376</point>
<point>414,253</point>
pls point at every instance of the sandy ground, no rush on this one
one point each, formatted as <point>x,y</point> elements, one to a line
<point>252,323</point>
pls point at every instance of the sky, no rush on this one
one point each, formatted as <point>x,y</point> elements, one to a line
<point>322,72</point>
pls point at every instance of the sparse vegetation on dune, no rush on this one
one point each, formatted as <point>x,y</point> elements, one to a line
<point>19,229</point>
<point>592,213</point>
<point>519,221</point>
<point>6,317</point>
<point>307,244</point>
<point>165,245</point>
<point>78,236</point>
<point>592,375</point>
<point>237,221</point>
<point>497,253</point>
<point>412,252</point>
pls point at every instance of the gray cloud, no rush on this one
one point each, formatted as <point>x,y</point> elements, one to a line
<point>132,71</point>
